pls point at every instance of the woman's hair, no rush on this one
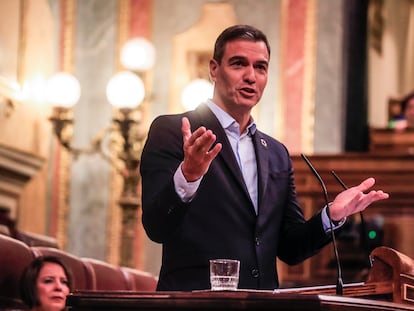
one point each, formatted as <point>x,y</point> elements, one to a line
<point>238,32</point>
<point>29,277</point>
<point>406,100</point>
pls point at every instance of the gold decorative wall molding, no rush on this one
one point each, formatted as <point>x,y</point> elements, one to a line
<point>133,20</point>
<point>122,28</point>
<point>62,159</point>
<point>22,40</point>
<point>114,213</point>
<point>68,31</point>
<point>308,106</point>
<point>16,170</point>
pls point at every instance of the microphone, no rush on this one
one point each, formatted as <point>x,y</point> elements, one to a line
<point>363,231</point>
<point>339,282</point>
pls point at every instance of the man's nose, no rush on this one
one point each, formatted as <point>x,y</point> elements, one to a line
<point>250,74</point>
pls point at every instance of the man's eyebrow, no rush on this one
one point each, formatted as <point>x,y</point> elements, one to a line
<point>236,57</point>
<point>241,57</point>
<point>263,62</point>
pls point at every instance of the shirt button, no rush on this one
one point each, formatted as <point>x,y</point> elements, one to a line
<point>257,241</point>
<point>255,273</point>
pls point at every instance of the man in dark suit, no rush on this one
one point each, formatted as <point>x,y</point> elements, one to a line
<point>213,186</point>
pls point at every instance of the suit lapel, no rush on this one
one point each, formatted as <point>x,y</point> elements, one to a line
<point>209,120</point>
<point>262,158</point>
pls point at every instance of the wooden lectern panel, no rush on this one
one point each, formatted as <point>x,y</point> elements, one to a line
<point>394,173</point>
<point>388,285</point>
<point>213,301</point>
<point>397,268</point>
<point>390,279</point>
<point>384,140</point>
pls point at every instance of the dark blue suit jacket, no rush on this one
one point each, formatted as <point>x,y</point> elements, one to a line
<point>220,222</point>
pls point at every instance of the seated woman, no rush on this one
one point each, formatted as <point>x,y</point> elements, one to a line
<point>45,283</point>
<point>407,114</point>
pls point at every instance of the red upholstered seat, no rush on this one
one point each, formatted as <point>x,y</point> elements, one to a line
<point>14,257</point>
<point>140,280</point>
<point>107,276</point>
<point>88,274</point>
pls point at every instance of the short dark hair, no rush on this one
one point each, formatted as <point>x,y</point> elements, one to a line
<point>238,32</point>
<point>29,277</point>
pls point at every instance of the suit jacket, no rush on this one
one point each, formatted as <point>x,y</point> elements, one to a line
<point>220,222</point>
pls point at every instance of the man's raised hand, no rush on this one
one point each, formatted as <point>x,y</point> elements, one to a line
<point>198,150</point>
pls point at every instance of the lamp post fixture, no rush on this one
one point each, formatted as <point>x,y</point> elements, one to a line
<point>125,91</point>
<point>130,200</point>
<point>63,91</point>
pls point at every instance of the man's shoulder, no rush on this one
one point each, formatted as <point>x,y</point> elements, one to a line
<point>194,117</point>
<point>168,119</point>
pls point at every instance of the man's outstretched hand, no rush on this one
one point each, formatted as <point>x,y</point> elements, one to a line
<point>198,150</point>
<point>355,199</point>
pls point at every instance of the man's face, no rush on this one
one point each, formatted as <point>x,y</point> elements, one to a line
<point>241,77</point>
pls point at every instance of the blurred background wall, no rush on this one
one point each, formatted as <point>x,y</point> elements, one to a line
<point>334,66</point>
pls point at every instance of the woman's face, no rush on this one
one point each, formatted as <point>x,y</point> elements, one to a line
<point>409,112</point>
<point>52,287</point>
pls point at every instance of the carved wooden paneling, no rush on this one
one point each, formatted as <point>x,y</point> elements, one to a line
<point>16,170</point>
<point>392,141</point>
<point>393,173</point>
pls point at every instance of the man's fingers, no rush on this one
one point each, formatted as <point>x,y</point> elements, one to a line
<point>185,128</point>
<point>366,184</point>
<point>214,151</point>
<point>200,141</point>
<point>356,199</point>
<point>191,137</point>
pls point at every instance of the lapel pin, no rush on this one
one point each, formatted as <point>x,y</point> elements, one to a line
<point>264,143</point>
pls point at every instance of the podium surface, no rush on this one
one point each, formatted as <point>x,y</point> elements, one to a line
<point>227,300</point>
<point>390,286</point>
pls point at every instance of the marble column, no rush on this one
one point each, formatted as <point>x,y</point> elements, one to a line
<point>90,173</point>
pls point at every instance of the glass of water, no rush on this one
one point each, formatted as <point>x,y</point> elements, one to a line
<point>224,274</point>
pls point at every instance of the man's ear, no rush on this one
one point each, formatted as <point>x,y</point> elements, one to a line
<point>213,65</point>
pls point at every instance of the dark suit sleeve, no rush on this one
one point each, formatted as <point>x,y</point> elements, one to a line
<point>162,209</point>
<point>300,239</point>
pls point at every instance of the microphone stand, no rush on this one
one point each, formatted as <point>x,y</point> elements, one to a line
<point>339,282</point>
<point>363,231</point>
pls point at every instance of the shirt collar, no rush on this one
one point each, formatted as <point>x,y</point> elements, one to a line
<point>226,120</point>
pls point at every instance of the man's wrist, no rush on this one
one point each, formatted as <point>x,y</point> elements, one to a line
<point>186,190</point>
<point>328,222</point>
<point>188,176</point>
<point>336,223</point>
<point>339,223</point>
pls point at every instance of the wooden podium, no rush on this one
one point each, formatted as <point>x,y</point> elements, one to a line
<point>390,281</point>
<point>390,286</point>
<point>394,174</point>
<point>391,141</point>
<point>240,300</point>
